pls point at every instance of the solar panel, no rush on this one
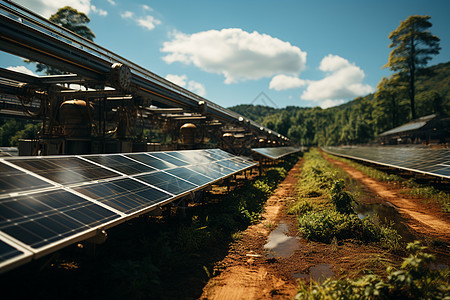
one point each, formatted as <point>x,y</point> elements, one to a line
<point>167,182</point>
<point>435,162</point>
<point>49,202</point>
<point>276,152</point>
<point>11,254</point>
<point>151,161</point>
<point>121,164</point>
<point>13,180</point>
<point>125,194</point>
<point>42,218</point>
<point>64,170</point>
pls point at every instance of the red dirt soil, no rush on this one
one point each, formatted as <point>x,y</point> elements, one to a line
<point>247,272</point>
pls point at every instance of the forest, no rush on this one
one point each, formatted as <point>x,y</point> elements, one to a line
<point>356,122</point>
<point>360,120</point>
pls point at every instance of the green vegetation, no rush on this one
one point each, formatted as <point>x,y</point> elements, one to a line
<point>362,119</point>
<point>73,20</point>
<point>412,47</point>
<point>325,209</point>
<point>414,280</point>
<point>11,130</point>
<point>412,187</point>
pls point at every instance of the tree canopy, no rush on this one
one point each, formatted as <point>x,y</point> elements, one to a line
<point>412,47</point>
<point>73,20</point>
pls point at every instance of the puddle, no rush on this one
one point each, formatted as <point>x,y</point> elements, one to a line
<point>319,273</point>
<point>386,213</point>
<point>280,244</point>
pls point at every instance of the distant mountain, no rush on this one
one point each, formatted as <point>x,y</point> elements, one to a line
<point>357,121</point>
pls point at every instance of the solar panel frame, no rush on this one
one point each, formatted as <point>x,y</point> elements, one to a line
<point>275,153</point>
<point>21,256</point>
<point>202,161</point>
<point>414,159</point>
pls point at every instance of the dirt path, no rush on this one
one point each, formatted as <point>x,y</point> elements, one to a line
<point>246,273</point>
<point>425,219</point>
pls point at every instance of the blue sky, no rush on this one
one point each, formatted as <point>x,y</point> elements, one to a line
<point>302,53</point>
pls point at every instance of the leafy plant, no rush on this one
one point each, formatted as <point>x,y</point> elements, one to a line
<point>341,199</point>
<point>414,280</point>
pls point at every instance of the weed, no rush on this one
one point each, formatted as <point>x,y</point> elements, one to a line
<point>414,280</point>
<point>331,215</point>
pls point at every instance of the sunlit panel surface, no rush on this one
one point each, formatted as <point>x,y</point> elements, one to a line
<point>276,152</point>
<point>49,202</point>
<point>434,162</point>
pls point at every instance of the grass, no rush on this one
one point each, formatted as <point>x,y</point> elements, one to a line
<point>415,279</point>
<point>410,186</point>
<point>325,208</point>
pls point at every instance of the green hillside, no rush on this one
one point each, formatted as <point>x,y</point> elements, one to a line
<point>357,121</point>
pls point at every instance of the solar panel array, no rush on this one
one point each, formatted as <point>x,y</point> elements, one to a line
<point>276,152</point>
<point>47,203</point>
<point>434,162</point>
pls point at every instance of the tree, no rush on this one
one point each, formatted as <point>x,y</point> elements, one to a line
<point>72,20</point>
<point>75,21</point>
<point>412,46</point>
<point>388,95</point>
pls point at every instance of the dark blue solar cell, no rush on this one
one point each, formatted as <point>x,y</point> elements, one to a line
<point>193,157</point>
<point>65,170</point>
<point>230,165</point>
<point>121,164</point>
<point>13,180</point>
<point>42,218</point>
<point>126,195</point>
<point>8,252</point>
<point>151,161</point>
<point>190,175</point>
<point>169,159</point>
<point>167,182</point>
<point>207,171</point>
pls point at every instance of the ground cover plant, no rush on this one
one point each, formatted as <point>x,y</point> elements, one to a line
<point>325,209</point>
<point>415,279</point>
<point>410,186</point>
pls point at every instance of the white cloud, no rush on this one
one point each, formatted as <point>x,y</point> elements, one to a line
<point>22,69</point>
<point>127,15</point>
<point>112,2</point>
<point>197,88</point>
<point>99,11</point>
<point>343,81</point>
<point>283,82</point>
<point>330,103</point>
<point>237,54</point>
<point>46,8</point>
<point>177,79</point>
<point>146,7</point>
<point>148,22</point>
<point>192,85</point>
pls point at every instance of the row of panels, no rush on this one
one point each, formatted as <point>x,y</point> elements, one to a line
<point>434,162</point>
<point>276,152</point>
<point>49,202</point>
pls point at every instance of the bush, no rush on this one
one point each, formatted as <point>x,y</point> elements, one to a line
<point>415,280</point>
<point>341,199</point>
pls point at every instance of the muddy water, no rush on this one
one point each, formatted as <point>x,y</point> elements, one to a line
<point>318,273</point>
<point>386,214</point>
<point>280,244</point>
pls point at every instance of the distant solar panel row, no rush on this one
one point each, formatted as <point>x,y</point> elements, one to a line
<point>276,152</point>
<point>47,203</point>
<point>434,162</point>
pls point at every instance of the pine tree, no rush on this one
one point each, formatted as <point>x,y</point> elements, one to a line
<point>412,47</point>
